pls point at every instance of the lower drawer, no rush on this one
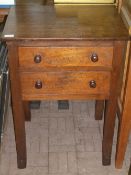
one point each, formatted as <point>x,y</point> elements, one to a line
<point>48,85</point>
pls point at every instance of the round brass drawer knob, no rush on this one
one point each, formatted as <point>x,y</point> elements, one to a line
<point>94,57</point>
<point>92,84</point>
<point>38,84</point>
<point>37,59</point>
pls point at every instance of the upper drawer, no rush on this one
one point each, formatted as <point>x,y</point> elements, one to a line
<point>39,57</point>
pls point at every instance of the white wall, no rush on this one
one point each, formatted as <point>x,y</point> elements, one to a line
<point>7,2</point>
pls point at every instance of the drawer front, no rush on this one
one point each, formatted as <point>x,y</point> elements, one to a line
<point>38,85</point>
<point>39,57</point>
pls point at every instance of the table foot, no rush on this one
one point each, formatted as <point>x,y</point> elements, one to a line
<point>106,161</point>
<point>21,163</point>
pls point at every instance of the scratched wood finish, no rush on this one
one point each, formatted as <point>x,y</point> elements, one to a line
<point>62,83</point>
<point>65,57</point>
<point>90,22</point>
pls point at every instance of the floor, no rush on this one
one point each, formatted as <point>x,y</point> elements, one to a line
<point>61,142</point>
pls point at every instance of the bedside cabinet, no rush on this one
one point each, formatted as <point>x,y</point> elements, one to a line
<point>57,57</point>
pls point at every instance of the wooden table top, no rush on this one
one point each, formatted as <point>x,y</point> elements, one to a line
<point>60,22</point>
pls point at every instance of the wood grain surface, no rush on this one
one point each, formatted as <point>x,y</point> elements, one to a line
<point>43,22</point>
<point>65,57</point>
<point>64,83</point>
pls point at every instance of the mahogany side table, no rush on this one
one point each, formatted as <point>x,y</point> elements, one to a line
<point>77,54</point>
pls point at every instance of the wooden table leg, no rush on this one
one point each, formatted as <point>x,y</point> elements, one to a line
<point>17,107</point>
<point>27,110</point>
<point>111,104</point>
<point>35,104</point>
<point>63,104</point>
<point>99,108</point>
<point>129,173</point>
<point>125,122</point>
<point>19,125</point>
<point>108,131</point>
